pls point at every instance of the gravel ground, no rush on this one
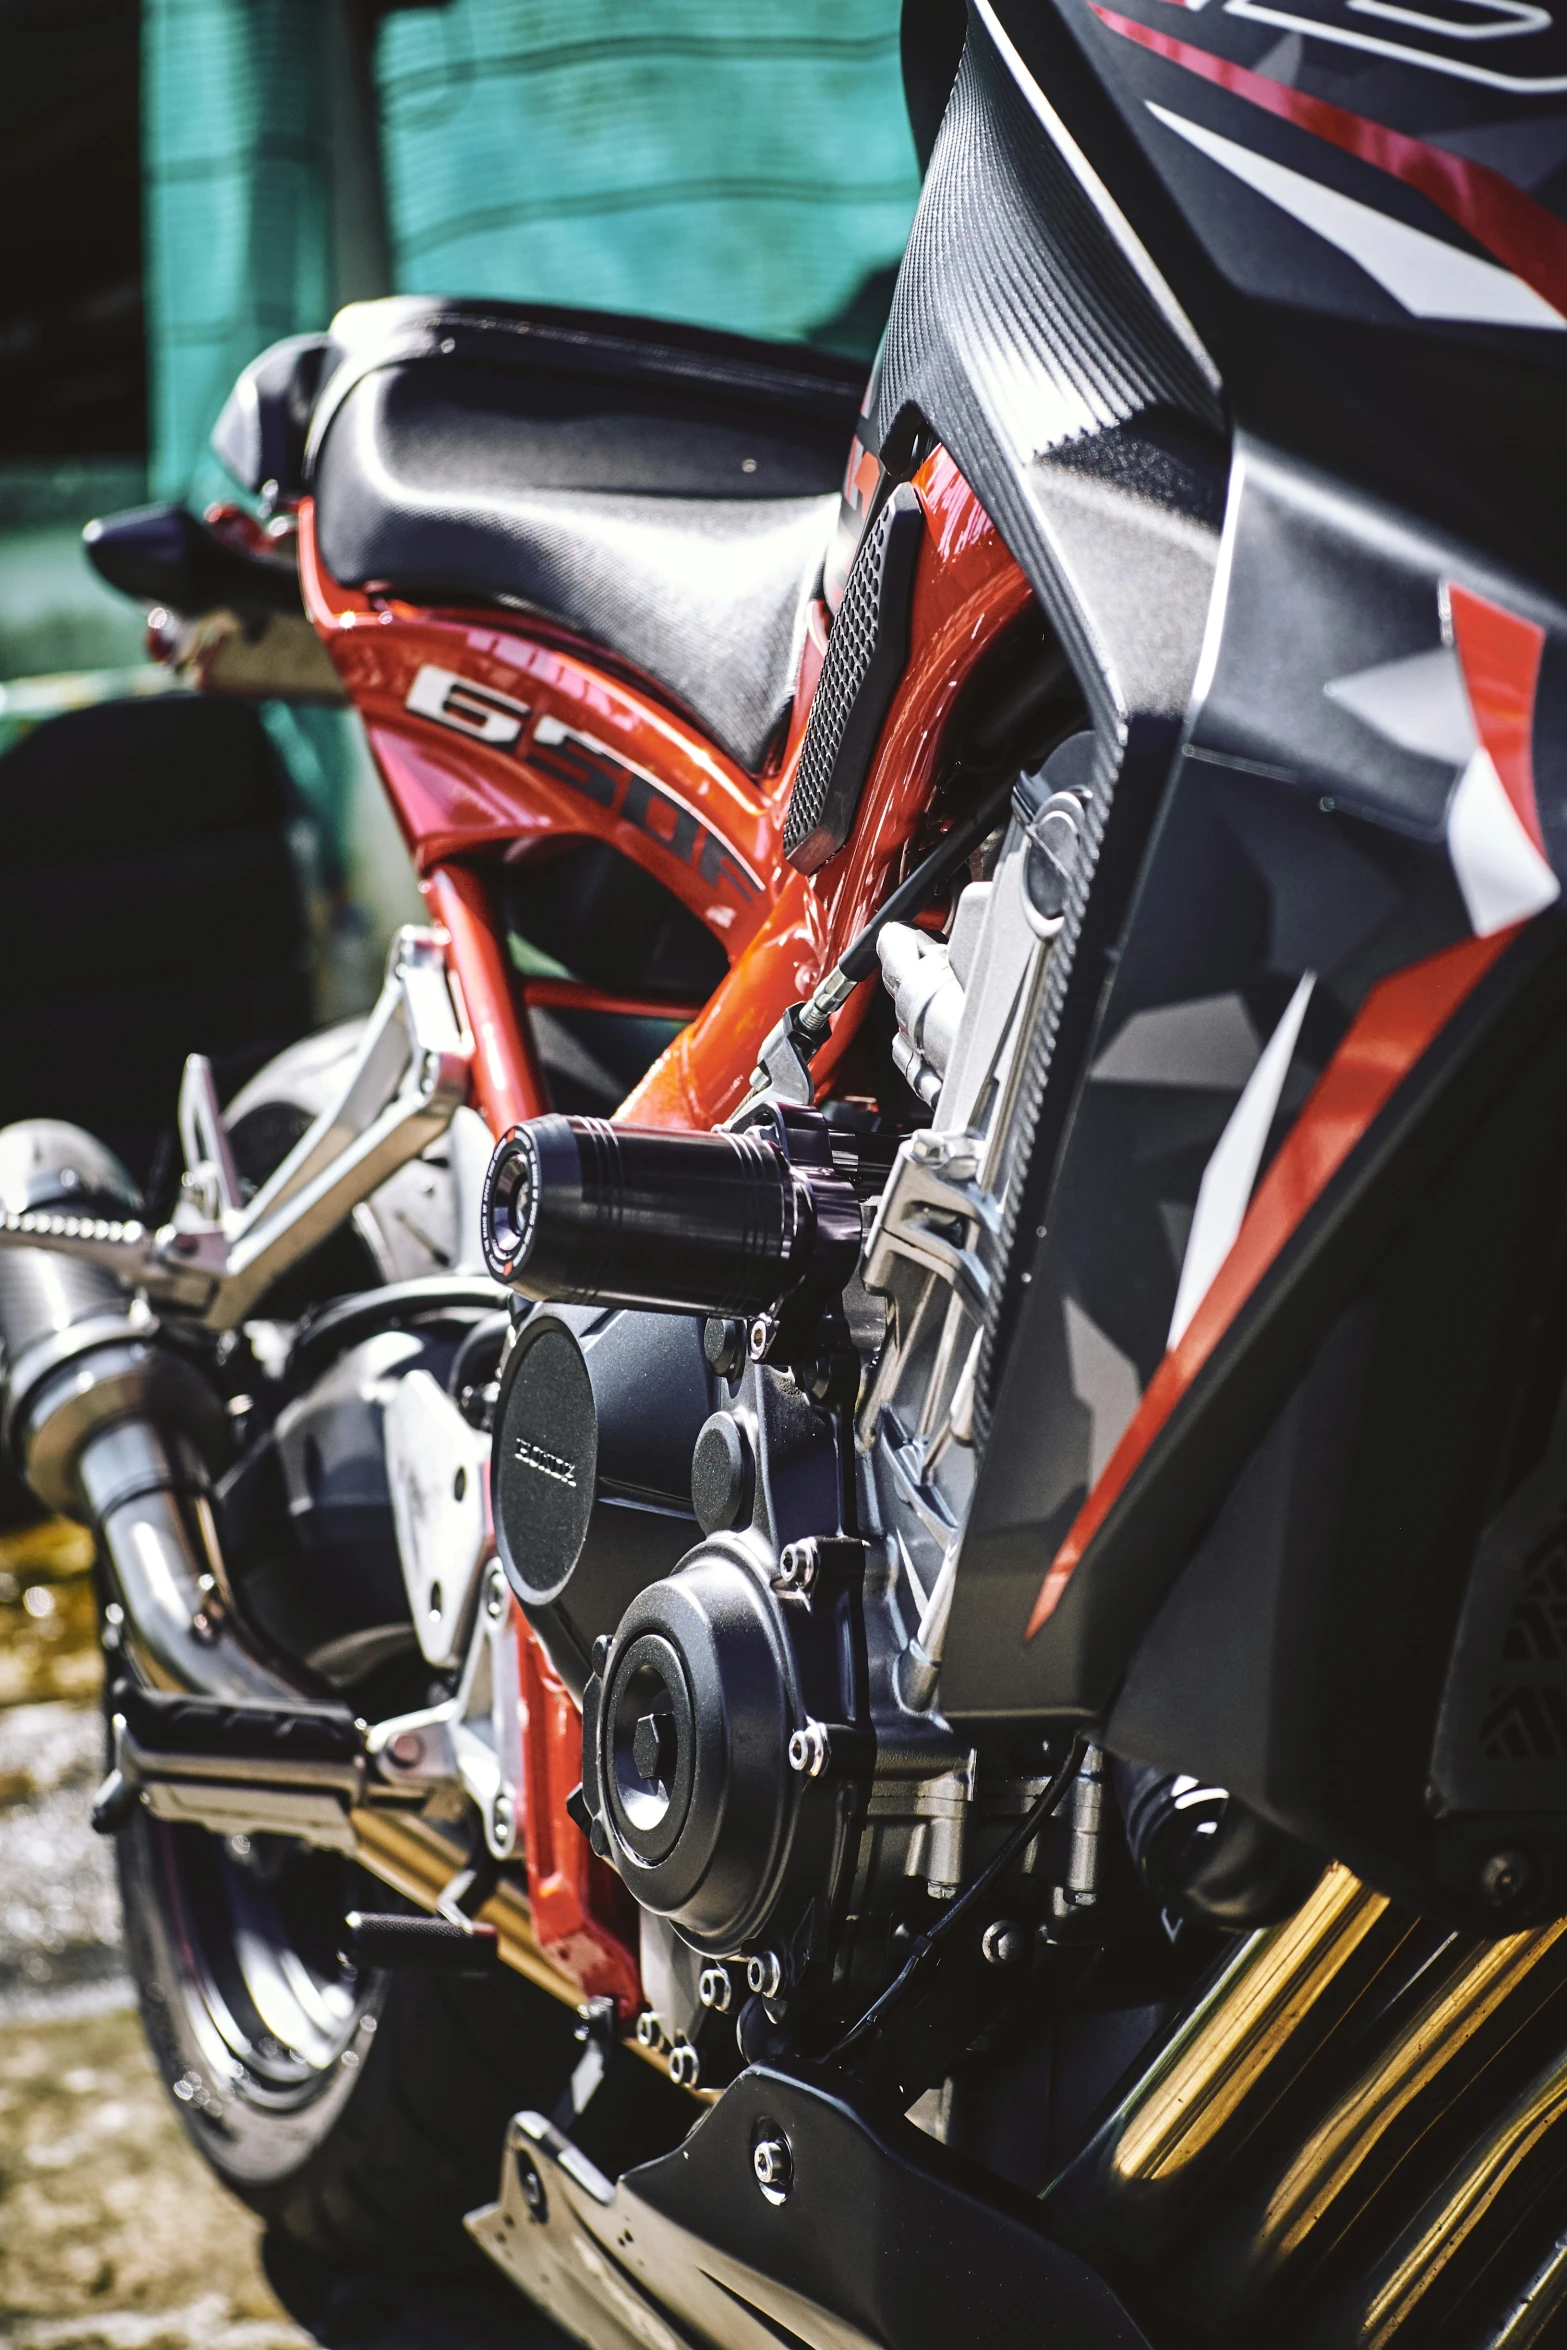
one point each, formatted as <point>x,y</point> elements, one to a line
<point>113,2233</point>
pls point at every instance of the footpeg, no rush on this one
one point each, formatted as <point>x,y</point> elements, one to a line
<point>423,1945</point>
<point>235,1768</point>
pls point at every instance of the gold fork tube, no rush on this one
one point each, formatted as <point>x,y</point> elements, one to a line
<point>1481,2192</point>
<point>1368,2129</point>
<point>1276,2000</point>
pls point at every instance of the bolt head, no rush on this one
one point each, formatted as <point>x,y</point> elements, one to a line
<point>1003,1942</point>
<point>501,1816</point>
<point>648,2032</point>
<point>764,1973</point>
<point>685,2066</point>
<point>1503,1877</point>
<point>808,1750</point>
<point>655,1746</point>
<point>496,1594</point>
<point>798,1564</point>
<point>714,1989</point>
<point>773,2165</point>
<point>406,1749</point>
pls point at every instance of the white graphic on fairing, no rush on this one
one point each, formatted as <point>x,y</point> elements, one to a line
<point>1429,278</point>
<point>1225,1191</point>
<point>1501,874</point>
<point>1420,704</point>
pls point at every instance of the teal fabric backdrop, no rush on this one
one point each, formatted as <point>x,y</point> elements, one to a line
<point>727,162</point>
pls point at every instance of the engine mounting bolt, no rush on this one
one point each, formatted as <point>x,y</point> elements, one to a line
<point>406,1749</point>
<point>685,2066</point>
<point>809,1750</point>
<point>649,2031</point>
<point>773,2164</point>
<point>714,1989</point>
<point>798,1565</point>
<point>1003,1942</point>
<point>764,1329</point>
<point>764,1973</point>
<point>496,1593</point>
<point>1504,1877</point>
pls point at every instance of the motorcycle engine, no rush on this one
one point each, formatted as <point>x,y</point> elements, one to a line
<point>728,1494</point>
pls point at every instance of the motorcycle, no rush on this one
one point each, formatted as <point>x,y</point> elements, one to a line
<point>969,1590</point>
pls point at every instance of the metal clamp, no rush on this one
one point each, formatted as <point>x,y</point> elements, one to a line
<point>409,1077</point>
<point>934,1193</point>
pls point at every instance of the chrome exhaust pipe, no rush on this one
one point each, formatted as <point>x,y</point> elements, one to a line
<point>109,1424</point>
<point>142,1490</point>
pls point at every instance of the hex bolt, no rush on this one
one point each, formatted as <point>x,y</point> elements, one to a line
<point>799,1563</point>
<point>764,1973</point>
<point>763,1330</point>
<point>649,2030</point>
<point>715,1989</point>
<point>496,1594</point>
<point>1003,1942</point>
<point>773,2164</point>
<point>809,1750</point>
<point>501,1818</point>
<point>954,1153</point>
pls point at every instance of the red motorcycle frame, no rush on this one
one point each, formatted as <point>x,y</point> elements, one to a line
<point>497,738</point>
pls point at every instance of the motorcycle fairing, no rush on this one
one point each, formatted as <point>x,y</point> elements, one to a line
<point>1317,1026</point>
<point>1286,176</point>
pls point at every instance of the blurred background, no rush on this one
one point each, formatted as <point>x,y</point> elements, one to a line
<point>182,182</point>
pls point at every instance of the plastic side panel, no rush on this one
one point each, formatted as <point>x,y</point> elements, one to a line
<point>1317,916</point>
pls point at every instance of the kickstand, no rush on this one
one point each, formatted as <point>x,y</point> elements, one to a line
<point>598,2027</point>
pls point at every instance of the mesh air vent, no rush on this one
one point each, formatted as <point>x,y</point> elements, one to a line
<point>866,653</point>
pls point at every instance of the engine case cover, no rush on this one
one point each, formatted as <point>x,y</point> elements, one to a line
<point>595,1425</point>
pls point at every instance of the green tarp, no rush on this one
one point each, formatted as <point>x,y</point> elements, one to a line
<point>723,162</point>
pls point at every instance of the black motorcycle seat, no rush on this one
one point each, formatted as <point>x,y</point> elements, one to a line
<point>661,492</point>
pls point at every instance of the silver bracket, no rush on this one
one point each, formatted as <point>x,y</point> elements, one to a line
<point>937,1214</point>
<point>474,1738</point>
<point>408,1079</point>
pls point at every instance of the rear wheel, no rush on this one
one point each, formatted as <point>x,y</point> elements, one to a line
<point>361,2114</point>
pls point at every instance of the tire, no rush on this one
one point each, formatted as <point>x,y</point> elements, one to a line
<point>364,2131</point>
<point>361,2116</point>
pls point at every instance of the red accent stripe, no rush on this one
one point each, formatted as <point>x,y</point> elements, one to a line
<point>1500,655</point>
<point>1398,1021</point>
<point>1523,236</point>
